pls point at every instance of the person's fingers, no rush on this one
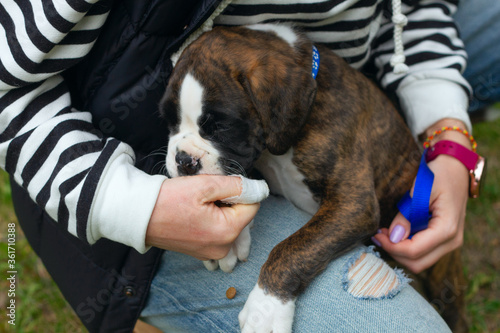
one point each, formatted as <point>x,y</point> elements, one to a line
<point>426,247</point>
<point>231,220</point>
<point>187,217</point>
<point>240,215</point>
<point>399,229</point>
<point>417,265</point>
<point>419,253</point>
<point>421,243</point>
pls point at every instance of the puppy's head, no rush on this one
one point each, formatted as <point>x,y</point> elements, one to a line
<point>233,93</point>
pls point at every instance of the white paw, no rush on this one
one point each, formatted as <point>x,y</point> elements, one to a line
<point>211,265</point>
<point>243,242</point>
<point>229,262</point>
<point>240,250</point>
<point>264,313</point>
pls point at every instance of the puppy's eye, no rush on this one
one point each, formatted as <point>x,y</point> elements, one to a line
<point>207,124</point>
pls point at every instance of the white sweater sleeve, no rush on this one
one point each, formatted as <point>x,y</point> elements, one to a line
<point>434,87</point>
<point>84,181</point>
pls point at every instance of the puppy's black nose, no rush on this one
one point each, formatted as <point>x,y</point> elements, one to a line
<point>186,164</point>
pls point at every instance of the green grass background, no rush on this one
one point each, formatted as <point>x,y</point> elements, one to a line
<point>40,306</point>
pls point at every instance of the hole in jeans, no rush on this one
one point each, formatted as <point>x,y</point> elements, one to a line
<point>370,277</point>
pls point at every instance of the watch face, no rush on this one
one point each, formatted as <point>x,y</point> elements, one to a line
<point>477,177</point>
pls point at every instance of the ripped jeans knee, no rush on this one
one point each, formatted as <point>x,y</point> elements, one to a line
<point>367,276</point>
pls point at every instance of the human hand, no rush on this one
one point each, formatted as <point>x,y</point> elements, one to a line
<point>448,205</point>
<point>187,220</point>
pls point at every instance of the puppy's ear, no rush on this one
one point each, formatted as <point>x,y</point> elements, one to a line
<point>282,93</point>
<point>168,107</point>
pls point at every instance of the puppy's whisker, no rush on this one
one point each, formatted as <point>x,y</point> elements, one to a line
<point>230,171</point>
<point>234,168</point>
<point>163,149</point>
<point>158,152</point>
<point>240,167</point>
<point>162,165</point>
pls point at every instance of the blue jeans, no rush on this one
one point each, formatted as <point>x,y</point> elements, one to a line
<point>479,23</point>
<point>186,297</point>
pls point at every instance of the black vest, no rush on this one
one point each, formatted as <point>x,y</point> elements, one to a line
<point>120,82</point>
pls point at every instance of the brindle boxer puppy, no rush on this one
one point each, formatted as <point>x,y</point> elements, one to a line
<point>334,145</point>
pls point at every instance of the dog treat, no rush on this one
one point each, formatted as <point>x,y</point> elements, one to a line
<point>252,191</point>
<point>231,292</point>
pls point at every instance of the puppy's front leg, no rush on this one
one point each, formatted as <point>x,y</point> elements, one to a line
<point>342,221</point>
<point>239,251</point>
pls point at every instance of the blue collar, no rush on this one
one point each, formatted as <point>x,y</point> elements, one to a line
<point>315,62</point>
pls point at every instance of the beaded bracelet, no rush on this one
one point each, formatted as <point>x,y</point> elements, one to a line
<point>427,142</point>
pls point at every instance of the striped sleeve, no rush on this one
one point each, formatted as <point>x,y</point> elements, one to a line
<point>434,87</point>
<point>84,181</point>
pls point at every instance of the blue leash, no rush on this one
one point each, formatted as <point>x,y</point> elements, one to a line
<point>416,209</point>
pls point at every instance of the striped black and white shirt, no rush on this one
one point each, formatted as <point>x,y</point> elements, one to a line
<point>88,182</point>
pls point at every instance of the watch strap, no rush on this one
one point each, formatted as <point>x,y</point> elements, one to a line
<point>464,155</point>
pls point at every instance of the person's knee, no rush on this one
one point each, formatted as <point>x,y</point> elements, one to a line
<point>370,277</point>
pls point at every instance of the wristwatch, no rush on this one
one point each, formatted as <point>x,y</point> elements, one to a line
<point>472,161</point>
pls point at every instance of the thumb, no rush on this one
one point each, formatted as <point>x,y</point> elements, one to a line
<point>215,188</point>
<point>236,189</point>
<point>399,230</point>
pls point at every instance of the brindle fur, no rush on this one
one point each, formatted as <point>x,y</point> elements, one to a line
<point>358,158</point>
<point>353,147</point>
